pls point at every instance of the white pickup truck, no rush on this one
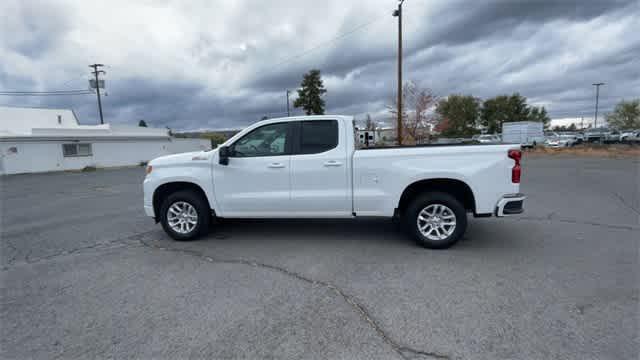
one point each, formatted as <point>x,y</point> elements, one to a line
<point>308,167</point>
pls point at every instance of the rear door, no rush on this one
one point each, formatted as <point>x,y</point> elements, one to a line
<point>319,165</point>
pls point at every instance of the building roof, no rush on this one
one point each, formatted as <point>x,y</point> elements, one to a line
<point>17,122</point>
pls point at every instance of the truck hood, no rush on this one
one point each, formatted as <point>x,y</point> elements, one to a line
<point>182,158</point>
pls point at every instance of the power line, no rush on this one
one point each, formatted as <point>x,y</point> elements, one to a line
<point>46,93</point>
<point>328,42</point>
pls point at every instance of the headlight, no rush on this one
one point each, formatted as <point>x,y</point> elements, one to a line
<point>149,169</point>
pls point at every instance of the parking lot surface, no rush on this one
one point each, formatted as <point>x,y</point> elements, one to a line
<point>86,275</point>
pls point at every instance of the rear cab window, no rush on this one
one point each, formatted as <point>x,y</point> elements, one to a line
<point>317,136</point>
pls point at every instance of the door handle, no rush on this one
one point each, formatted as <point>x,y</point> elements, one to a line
<point>276,165</point>
<point>332,163</point>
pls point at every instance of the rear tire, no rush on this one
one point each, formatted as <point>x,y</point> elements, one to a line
<point>185,215</point>
<point>436,220</point>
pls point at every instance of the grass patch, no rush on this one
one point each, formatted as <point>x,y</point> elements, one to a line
<point>590,150</point>
<point>89,169</point>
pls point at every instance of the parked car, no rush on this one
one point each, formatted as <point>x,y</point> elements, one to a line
<point>488,139</point>
<point>576,137</point>
<point>550,134</point>
<point>561,141</point>
<point>308,167</point>
<point>596,134</point>
<point>630,136</point>
<point>525,133</point>
<point>612,136</point>
<point>579,137</point>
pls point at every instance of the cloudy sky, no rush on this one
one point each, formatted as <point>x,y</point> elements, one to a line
<point>224,64</point>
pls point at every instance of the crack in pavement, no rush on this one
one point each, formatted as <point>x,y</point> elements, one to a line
<point>552,218</point>
<point>625,203</point>
<point>104,245</point>
<point>14,250</point>
<point>404,351</point>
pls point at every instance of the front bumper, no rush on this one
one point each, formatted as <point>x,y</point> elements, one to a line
<point>148,187</point>
<point>148,209</point>
<point>511,204</point>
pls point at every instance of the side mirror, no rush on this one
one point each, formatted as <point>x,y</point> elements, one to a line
<point>223,155</point>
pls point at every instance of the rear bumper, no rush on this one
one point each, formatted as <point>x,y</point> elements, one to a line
<point>511,204</point>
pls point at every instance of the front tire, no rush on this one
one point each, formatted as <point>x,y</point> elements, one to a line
<point>436,220</point>
<point>185,215</point>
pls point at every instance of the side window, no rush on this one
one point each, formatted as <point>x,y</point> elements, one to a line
<point>71,150</point>
<point>268,140</point>
<point>318,136</point>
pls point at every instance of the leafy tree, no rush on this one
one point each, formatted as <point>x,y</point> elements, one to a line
<point>310,94</point>
<point>626,115</point>
<point>539,114</point>
<point>459,114</point>
<point>142,123</point>
<point>572,127</point>
<point>502,109</point>
<point>511,108</point>
<point>215,138</point>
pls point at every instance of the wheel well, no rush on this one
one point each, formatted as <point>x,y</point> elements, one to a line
<point>456,188</point>
<point>167,189</point>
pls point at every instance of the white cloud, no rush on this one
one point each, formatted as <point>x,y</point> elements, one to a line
<point>220,63</point>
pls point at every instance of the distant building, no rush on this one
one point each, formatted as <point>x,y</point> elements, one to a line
<point>382,135</point>
<point>39,140</point>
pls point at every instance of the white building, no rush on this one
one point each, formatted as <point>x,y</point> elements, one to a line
<point>39,140</point>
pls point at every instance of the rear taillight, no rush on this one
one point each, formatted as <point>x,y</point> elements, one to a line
<point>516,155</point>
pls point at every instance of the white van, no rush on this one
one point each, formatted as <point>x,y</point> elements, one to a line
<point>525,133</point>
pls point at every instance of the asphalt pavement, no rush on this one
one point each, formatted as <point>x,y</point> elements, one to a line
<point>86,275</point>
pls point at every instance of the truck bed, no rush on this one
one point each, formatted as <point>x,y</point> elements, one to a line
<point>381,174</point>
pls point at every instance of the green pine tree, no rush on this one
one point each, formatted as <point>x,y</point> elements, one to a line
<point>310,94</point>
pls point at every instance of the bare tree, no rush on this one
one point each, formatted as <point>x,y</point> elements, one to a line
<point>418,116</point>
<point>369,124</point>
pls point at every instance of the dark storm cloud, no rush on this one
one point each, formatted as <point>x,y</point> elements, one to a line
<point>42,27</point>
<point>230,79</point>
<point>466,21</point>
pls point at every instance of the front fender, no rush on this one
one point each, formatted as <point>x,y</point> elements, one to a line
<point>198,173</point>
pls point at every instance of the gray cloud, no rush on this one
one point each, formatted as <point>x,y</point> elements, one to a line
<point>221,66</point>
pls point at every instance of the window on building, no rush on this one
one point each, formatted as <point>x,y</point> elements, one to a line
<point>69,150</point>
<point>318,136</point>
<point>84,149</point>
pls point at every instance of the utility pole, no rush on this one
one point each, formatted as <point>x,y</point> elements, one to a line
<point>288,111</point>
<point>597,85</point>
<point>398,14</point>
<point>97,72</point>
<point>582,123</point>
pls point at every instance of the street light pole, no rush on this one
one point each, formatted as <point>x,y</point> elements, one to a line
<point>398,13</point>
<point>597,85</point>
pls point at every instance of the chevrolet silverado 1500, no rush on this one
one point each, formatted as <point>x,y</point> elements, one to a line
<point>309,167</point>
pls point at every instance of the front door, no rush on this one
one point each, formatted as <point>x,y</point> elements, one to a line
<point>256,182</point>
